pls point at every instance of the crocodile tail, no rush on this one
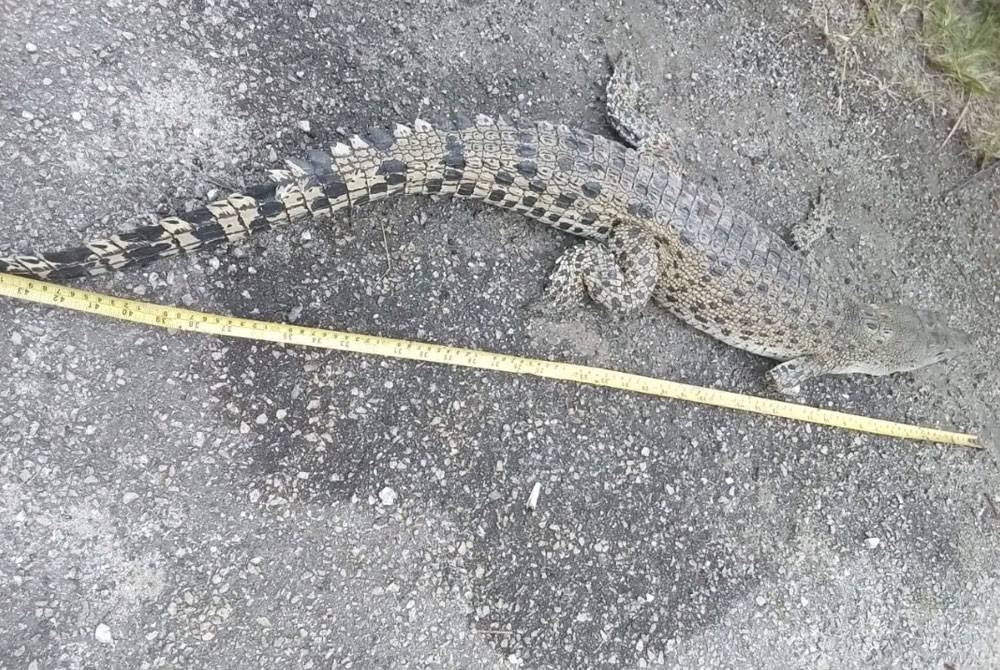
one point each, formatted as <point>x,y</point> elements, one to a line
<point>230,219</point>
<point>417,159</point>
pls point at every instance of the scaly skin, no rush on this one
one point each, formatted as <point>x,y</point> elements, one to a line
<point>651,233</point>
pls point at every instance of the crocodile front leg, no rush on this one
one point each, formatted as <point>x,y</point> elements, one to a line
<point>619,274</point>
<point>787,378</point>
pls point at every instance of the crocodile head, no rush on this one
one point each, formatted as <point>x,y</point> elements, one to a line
<point>892,338</point>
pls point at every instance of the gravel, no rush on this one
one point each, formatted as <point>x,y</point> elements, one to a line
<point>168,500</point>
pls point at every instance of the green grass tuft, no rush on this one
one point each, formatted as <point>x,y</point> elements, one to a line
<point>963,42</point>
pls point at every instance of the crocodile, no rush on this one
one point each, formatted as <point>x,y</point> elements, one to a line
<point>650,233</point>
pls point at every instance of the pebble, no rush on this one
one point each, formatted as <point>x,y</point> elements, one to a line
<point>31,47</point>
<point>103,634</point>
<point>388,496</point>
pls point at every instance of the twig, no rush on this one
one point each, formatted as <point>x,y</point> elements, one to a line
<point>958,122</point>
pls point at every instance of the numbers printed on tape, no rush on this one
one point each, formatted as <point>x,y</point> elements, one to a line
<point>175,318</point>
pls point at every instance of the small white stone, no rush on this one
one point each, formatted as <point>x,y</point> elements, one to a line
<point>103,634</point>
<point>76,116</point>
<point>304,125</point>
<point>261,419</point>
<point>388,496</point>
<point>536,491</point>
<point>872,542</point>
<point>31,47</point>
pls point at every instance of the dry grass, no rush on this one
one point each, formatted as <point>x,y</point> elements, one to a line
<point>945,51</point>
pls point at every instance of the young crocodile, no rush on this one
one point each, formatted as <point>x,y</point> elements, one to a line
<point>650,233</point>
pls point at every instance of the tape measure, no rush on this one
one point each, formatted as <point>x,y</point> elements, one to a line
<point>212,324</point>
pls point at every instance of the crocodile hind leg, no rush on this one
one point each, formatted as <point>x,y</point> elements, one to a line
<point>629,113</point>
<point>619,275</point>
<point>817,224</point>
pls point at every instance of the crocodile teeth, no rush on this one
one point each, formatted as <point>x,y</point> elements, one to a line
<point>483,120</point>
<point>422,126</point>
<point>401,131</point>
<point>340,150</point>
<point>357,142</point>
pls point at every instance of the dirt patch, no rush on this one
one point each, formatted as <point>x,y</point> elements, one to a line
<point>945,52</point>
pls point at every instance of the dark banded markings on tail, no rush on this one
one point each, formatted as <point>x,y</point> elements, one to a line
<point>141,251</point>
<point>294,202</point>
<point>228,219</point>
<point>269,207</point>
<point>246,210</point>
<point>203,228</point>
<point>392,173</point>
<point>454,156</point>
<point>30,265</point>
<point>454,162</point>
<point>74,256</point>
<point>180,233</point>
<point>311,175</point>
<point>334,191</point>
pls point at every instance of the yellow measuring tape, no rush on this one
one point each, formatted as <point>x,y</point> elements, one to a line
<point>213,324</point>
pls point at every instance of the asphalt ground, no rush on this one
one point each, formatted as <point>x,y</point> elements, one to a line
<point>170,500</point>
